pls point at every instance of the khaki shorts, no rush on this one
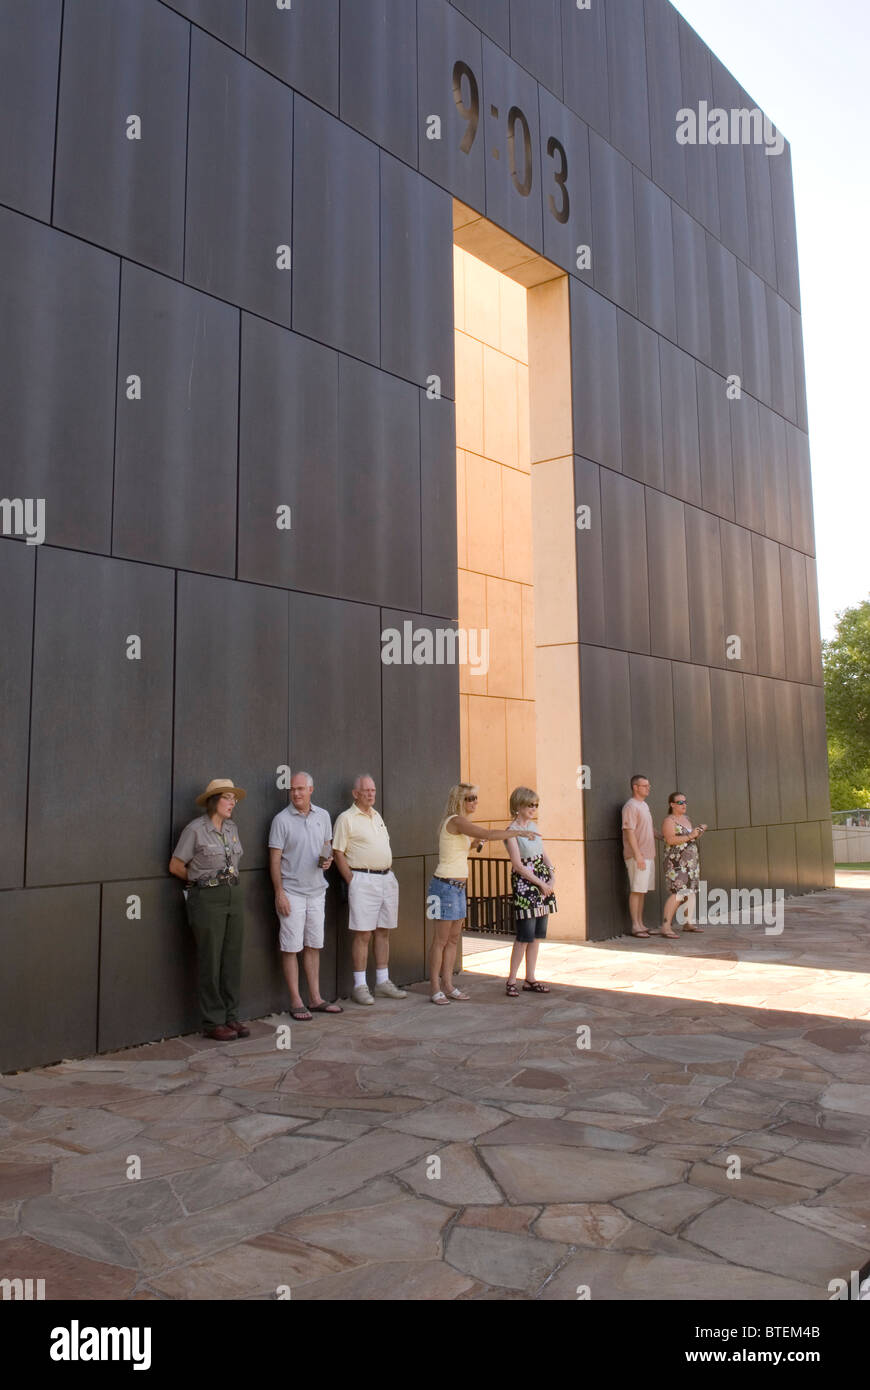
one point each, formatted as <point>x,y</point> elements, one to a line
<point>304,926</point>
<point>374,901</point>
<point>641,880</point>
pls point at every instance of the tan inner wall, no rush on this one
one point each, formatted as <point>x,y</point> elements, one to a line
<point>520,722</point>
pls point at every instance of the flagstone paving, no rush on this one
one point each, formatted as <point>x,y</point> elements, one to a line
<point>708,1138</point>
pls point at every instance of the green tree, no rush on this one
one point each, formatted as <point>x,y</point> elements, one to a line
<point>846,660</point>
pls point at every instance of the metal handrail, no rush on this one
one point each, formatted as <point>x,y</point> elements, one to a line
<point>490,900</point>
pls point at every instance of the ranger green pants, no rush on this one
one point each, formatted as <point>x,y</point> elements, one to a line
<point>216,917</point>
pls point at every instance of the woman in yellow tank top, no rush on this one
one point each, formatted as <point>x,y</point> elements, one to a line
<point>446,901</point>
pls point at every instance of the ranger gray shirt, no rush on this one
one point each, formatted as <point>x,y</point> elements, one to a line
<point>201,848</point>
<point>300,839</point>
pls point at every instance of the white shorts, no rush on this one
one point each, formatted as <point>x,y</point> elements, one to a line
<point>374,901</point>
<point>304,926</point>
<point>641,880</point>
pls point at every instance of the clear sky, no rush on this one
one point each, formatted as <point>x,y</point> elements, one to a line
<point>806,63</point>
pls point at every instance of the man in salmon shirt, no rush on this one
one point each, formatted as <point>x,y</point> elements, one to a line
<point>638,850</point>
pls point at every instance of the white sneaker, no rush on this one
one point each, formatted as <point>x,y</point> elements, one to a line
<point>361,994</point>
<point>387,990</point>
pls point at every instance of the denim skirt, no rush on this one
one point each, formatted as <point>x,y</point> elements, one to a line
<point>444,901</point>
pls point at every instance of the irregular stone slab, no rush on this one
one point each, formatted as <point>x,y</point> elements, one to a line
<point>80,1095</point>
<point>340,1130</point>
<point>768,1139</point>
<point>608,1118</point>
<point>407,1229</point>
<point>109,1168</point>
<point>537,1079</point>
<point>463,1181</point>
<point>500,1218</point>
<point>637,1278</point>
<point>172,1049</point>
<point>792,1170</point>
<point>667,1208</point>
<point>254,1269</point>
<point>18,1111</point>
<point>430,1093</point>
<point>749,1158</point>
<point>761,1103</point>
<point>623,1102</point>
<point>850,1197</point>
<point>484,1293</point>
<point>550,1173</point>
<point>24,1179</point>
<point>747,1188</point>
<point>692,1047</point>
<point>831,1221</point>
<point>333,1078</point>
<point>429,1280</point>
<point>747,1235</point>
<point>313,1105</point>
<point>841,1039</point>
<point>503,1259</point>
<point>853,1100</point>
<point>285,1153</point>
<point>670,1130</point>
<point>827,1131</point>
<point>219,1142</point>
<point>66,1275</point>
<point>562,1132</point>
<point>85,1131</point>
<point>57,1222</point>
<point>582,1223</point>
<point>841,1157</point>
<point>374,1194</point>
<point>215,1184</point>
<point>642,1238</point>
<point>185,1106</point>
<point>135,1208</point>
<point>450,1119</point>
<point>538,1112</point>
<point>370,1118</point>
<point>334,1175</point>
<point>738,1121</point>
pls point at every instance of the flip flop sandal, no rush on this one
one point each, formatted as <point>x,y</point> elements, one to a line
<point>511,990</point>
<point>458,994</point>
<point>300,1015</point>
<point>536,987</point>
<point>640,934</point>
<point>325,1008</point>
<point>439,998</point>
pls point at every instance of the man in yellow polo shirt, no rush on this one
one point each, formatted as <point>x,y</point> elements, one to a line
<point>361,846</point>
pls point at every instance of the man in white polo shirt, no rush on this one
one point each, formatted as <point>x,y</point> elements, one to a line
<point>638,850</point>
<point>298,853</point>
<point>362,852</point>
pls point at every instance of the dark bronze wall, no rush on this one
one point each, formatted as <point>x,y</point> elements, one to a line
<point>701,507</point>
<point>307,387</point>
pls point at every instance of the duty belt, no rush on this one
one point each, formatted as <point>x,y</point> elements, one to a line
<point>225,876</point>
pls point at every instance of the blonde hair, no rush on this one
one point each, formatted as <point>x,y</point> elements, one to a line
<point>456,802</point>
<point>522,796</point>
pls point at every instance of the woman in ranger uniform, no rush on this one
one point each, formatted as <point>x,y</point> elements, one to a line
<point>206,859</point>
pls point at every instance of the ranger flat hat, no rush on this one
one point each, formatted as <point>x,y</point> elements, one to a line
<point>217,786</point>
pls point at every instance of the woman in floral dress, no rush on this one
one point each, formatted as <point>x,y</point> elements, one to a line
<point>532,876</point>
<point>681,862</point>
